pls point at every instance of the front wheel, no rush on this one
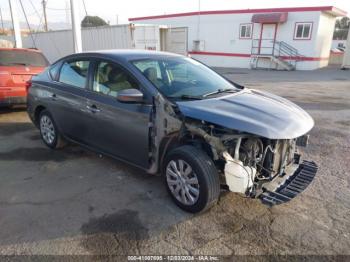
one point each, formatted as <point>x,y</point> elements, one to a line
<point>191,178</point>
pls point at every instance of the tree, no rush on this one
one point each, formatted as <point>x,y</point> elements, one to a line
<point>341,28</point>
<point>92,21</point>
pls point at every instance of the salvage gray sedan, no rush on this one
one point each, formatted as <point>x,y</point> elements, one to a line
<point>170,114</point>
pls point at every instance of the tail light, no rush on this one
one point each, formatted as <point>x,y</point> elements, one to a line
<point>28,85</point>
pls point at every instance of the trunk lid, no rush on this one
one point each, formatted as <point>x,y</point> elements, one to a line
<point>17,76</point>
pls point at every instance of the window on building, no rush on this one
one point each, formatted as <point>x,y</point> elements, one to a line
<point>245,31</point>
<point>303,31</point>
<point>74,73</point>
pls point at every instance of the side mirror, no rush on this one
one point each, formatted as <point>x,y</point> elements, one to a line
<point>130,96</point>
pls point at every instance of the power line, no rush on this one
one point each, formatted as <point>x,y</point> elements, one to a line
<point>30,30</point>
<point>91,34</point>
<point>40,16</point>
<point>85,8</point>
<point>52,41</point>
<point>40,21</point>
<point>48,34</point>
<point>57,9</point>
<point>32,13</point>
<point>33,6</point>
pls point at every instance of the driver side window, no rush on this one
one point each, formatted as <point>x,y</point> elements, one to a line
<point>110,78</point>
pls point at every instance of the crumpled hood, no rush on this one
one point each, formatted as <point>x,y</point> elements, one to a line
<point>252,111</point>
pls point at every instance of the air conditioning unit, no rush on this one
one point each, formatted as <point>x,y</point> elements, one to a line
<point>198,45</point>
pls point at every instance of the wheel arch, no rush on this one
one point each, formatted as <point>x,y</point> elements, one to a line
<point>175,140</point>
<point>37,112</point>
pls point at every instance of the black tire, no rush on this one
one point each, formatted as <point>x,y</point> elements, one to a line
<point>57,141</point>
<point>205,172</point>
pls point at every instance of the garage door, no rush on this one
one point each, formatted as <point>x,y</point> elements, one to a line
<point>176,40</point>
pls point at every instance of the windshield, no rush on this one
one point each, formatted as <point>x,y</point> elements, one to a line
<point>22,57</point>
<point>183,77</point>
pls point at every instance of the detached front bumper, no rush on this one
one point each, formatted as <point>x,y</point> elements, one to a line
<point>283,189</point>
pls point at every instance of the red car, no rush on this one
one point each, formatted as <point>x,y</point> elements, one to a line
<point>17,66</point>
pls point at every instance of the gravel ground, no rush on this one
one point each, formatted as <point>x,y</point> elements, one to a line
<point>76,202</point>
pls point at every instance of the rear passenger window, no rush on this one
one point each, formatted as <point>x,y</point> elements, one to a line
<point>54,70</point>
<point>74,73</point>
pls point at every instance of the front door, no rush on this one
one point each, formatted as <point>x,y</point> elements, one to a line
<point>268,34</point>
<point>116,128</point>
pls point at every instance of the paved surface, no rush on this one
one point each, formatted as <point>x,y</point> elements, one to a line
<point>75,202</point>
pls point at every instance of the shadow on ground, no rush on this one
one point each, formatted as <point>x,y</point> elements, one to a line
<point>53,194</point>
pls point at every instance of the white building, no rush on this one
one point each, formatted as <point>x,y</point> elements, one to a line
<point>280,38</point>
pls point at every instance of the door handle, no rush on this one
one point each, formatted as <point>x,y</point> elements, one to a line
<point>93,108</point>
<point>54,97</point>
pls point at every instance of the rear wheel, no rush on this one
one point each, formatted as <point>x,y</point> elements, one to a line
<point>191,179</point>
<point>49,132</point>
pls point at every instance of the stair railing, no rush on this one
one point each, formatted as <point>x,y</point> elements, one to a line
<point>278,49</point>
<point>287,52</point>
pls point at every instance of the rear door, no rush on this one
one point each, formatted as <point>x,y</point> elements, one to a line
<point>116,128</point>
<point>68,98</point>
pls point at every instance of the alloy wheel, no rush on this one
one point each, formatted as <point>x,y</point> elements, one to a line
<point>47,129</point>
<point>182,182</point>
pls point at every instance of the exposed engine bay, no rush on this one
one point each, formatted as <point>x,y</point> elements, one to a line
<point>245,161</point>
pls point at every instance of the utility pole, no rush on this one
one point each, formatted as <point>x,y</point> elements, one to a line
<point>45,17</point>
<point>15,23</point>
<point>2,22</point>
<point>76,26</point>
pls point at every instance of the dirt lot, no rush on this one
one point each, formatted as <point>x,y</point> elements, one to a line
<point>76,202</point>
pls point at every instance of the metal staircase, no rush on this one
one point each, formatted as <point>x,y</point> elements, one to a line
<point>279,54</point>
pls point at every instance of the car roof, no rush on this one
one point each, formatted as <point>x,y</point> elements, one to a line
<point>124,54</point>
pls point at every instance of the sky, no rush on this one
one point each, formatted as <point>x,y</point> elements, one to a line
<point>120,10</point>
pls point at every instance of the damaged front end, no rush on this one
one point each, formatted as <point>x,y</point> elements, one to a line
<point>256,166</point>
<point>268,169</point>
